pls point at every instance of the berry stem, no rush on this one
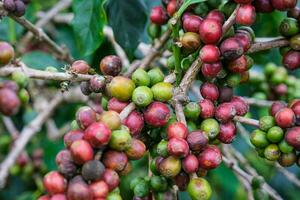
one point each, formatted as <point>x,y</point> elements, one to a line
<point>248,121</point>
<point>273,43</point>
<point>230,21</point>
<point>258,102</point>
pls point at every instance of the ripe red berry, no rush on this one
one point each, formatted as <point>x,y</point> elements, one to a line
<point>177,130</point>
<point>216,15</point>
<point>115,160</point>
<point>111,178</point>
<point>97,134</point>
<point>136,150</point>
<point>281,89</point>
<point>292,137</point>
<point>44,197</point>
<point>238,65</point>
<point>283,4</point>
<point>209,91</point>
<point>225,112</point>
<point>243,1</point>
<point>291,60</point>
<point>191,23</point>
<point>209,54</point>
<point>276,106</point>
<point>7,53</point>
<point>58,197</point>
<point>244,38</point>
<point>231,48</point>
<point>79,190</point>
<point>294,13</point>
<point>210,157</point>
<point>99,189</point>
<point>296,109</point>
<point>285,118</point>
<point>210,31</point>
<point>157,114</point>
<point>85,116</point>
<point>135,122</point>
<point>263,6</point>
<point>72,136</point>
<point>63,156</point>
<point>197,140</point>
<point>207,108</point>
<point>172,7</point>
<point>246,15</point>
<point>9,102</point>
<point>158,15</point>
<point>240,104</point>
<point>226,94</point>
<point>178,147</point>
<point>80,67</point>
<point>190,164</point>
<point>111,65</point>
<point>116,105</point>
<point>81,151</point>
<point>54,183</point>
<point>227,132</point>
<point>211,70</point>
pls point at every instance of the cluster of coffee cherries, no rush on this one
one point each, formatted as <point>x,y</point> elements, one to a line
<point>277,136</point>
<point>16,7</point>
<point>274,84</point>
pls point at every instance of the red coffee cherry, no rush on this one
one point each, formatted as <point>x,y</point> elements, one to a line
<point>111,65</point>
<point>96,84</point>
<point>191,23</point>
<point>216,15</point>
<point>54,183</point>
<point>115,160</point>
<point>239,65</point>
<point>172,7</point>
<point>9,102</point>
<point>227,132</point>
<point>294,13</point>
<point>72,136</point>
<point>292,137</point>
<point>283,4</point>
<point>85,116</point>
<point>80,67</point>
<point>210,158</point>
<point>7,52</point>
<point>263,6</point>
<point>209,91</point>
<point>211,70</point>
<point>244,38</point>
<point>137,150</point>
<point>225,112</point>
<point>296,109</point>
<point>116,105</point>
<point>240,104</point>
<point>158,15</point>
<point>58,197</point>
<point>81,151</point>
<point>291,60</point>
<point>285,118</point>
<point>207,108</point>
<point>177,130</point>
<point>190,164</point>
<point>210,31</point>
<point>246,15</point>
<point>276,106</point>
<point>178,147</point>
<point>135,123</point>
<point>44,197</point>
<point>243,1</point>
<point>231,48</point>
<point>209,54</point>
<point>157,114</point>
<point>197,140</point>
<point>79,190</point>
<point>226,94</point>
<point>99,189</point>
<point>97,134</point>
<point>63,156</point>
<point>281,89</point>
<point>111,178</point>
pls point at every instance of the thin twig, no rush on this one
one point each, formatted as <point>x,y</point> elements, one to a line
<point>127,110</point>
<point>258,102</point>
<point>290,176</point>
<point>244,120</point>
<point>273,43</point>
<point>230,21</point>
<point>10,126</point>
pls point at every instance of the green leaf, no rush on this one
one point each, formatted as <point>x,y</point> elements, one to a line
<point>186,4</point>
<point>40,60</point>
<point>88,24</point>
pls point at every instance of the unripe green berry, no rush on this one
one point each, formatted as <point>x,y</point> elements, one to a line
<point>159,183</point>
<point>266,122</point>
<point>285,147</point>
<point>135,182</point>
<point>192,110</point>
<point>154,30</point>
<point>199,189</point>
<point>233,80</point>
<point>142,96</point>
<point>289,27</point>
<point>120,140</point>
<point>270,69</point>
<point>259,139</point>
<point>171,62</point>
<point>295,42</point>
<point>140,77</point>
<point>121,88</point>
<point>20,78</point>
<point>114,196</point>
<point>211,127</point>
<point>156,76</point>
<point>272,152</point>
<point>260,194</point>
<point>24,96</point>
<point>257,182</point>
<point>141,189</point>
<point>162,148</point>
<point>162,91</point>
<point>275,134</point>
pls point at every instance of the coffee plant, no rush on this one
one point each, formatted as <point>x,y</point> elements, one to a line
<point>163,99</point>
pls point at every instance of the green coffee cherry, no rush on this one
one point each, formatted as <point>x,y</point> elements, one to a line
<point>159,183</point>
<point>285,147</point>
<point>214,3</point>
<point>170,167</point>
<point>162,148</point>
<point>250,62</point>
<point>260,194</point>
<point>116,190</point>
<point>162,91</point>
<point>199,189</point>
<point>140,77</point>
<point>142,96</point>
<point>135,182</point>
<point>171,62</point>
<point>154,30</point>
<point>121,88</point>
<point>228,8</point>
<point>114,196</point>
<point>192,110</point>
<point>211,127</point>
<point>191,126</point>
<point>257,182</point>
<point>266,122</point>
<point>24,96</point>
<point>279,76</point>
<point>289,27</point>
<point>15,170</point>
<point>284,50</point>
<point>260,95</point>
<point>259,139</point>
<point>275,134</point>
<point>269,69</point>
<point>153,167</point>
<point>201,9</point>
<point>141,189</point>
<point>156,76</point>
<point>260,152</point>
<point>272,152</point>
<point>120,140</point>
<point>233,80</point>
<point>104,103</point>
<point>20,78</point>
<point>295,42</point>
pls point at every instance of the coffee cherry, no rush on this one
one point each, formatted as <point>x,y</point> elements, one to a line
<point>246,15</point>
<point>115,160</point>
<point>287,160</point>
<point>54,183</point>
<point>140,77</point>
<point>199,187</point>
<point>158,15</point>
<point>259,139</point>
<point>135,122</point>
<point>99,189</point>
<point>92,170</point>
<point>295,42</point>
<point>120,140</point>
<point>289,27</point>
<point>266,122</point>
<point>226,94</point>
<point>211,70</point>
<point>291,60</point>
<point>141,189</point>
<point>136,150</point>
<point>296,109</point>
<point>172,7</point>
<point>276,106</point>
<point>9,102</point>
<point>281,89</point>
<point>159,183</point>
<point>210,31</point>
<point>275,134</point>
<point>225,112</point>
<point>85,116</point>
<point>209,54</point>
<point>231,48</point>
<point>285,118</point>
<point>240,105</point>
<point>96,84</point>
<point>292,137</point>
<point>192,23</point>
<point>238,65</point>
<point>192,110</point>
<point>142,96</point>
<point>197,140</point>
<point>116,105</point>
<point>97,134</point>
<point>227,132</point>
<point>233,80</point>
<point>263,6</point>
<point>157,114</point>
<point>85,88</point>
<point>272,152</point>
<point>177,130</point>
<point>162,91</point>
<point>111,65</point>
<point>9,5</point>
<point>111,178</point>
<point>294,13</point>
<point>67,169</point>
<point>80,67</point>
<point>216,15</point>
<point>58,197</point>
<point>243,1</point>
<point>285,147</point>
<point>244,38</point>
<point>121,88</point>
<point>111,119</point>
<point>178,147</point>
<point>79,190</point>
<point>209,91</point>
<point>207,108</point>
<point>211,127</point>
<point>170,166</point>
<point>182,180</point>
<point>72,136</point>
<point>81,151</point>
<point>191,41</point>
<point>44,197</point>
<point>190,164</point>
<point>156,76</point>
<point>63,156</point>
<point>7,53</point>
<point>210,157</point>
